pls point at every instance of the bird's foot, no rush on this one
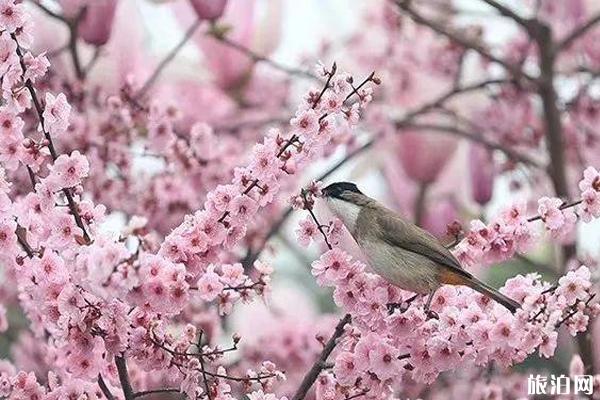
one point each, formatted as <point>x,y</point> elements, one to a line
<point>431,314</point>
<point>391,307</point>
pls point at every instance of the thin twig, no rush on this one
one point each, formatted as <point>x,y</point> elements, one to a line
<point>514,70</point>
<point>261,58</point>
<point>577,32</point>
<point>168,58</point>
<point>105,388</point>
<point>40,115</point>
<point>48,11</point>
<point>507,12</point>
<point>510,153</point>
<point>317,367</point>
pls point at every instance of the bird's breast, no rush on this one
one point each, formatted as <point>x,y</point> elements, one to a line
<point>347,212</point>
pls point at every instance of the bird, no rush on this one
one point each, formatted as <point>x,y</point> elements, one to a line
<point>402,253</point>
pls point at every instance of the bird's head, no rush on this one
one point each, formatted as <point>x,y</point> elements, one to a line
<point>346,201</point>
<point>345,191</point>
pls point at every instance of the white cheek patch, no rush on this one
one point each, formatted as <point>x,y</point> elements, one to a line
<point>345,211</point>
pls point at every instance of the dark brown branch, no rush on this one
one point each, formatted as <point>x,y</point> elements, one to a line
<point>507,12</point>
<point>577,32</point>
<point>317,367</point>
<point>419,205</point>
<point>553,125</point>
<point>124,377</point>
<point>20,232</point>
<point>105,388</point>
<point>156,391</point>
<point>53,153</point>
<point>203,368</point>
<point>316,221</point>
<point>169,57</point>
<point>458,38</point>
<point>510,153</point>
<point>73,26</point>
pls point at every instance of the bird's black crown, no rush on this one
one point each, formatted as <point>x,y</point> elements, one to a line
<point>338,188</point>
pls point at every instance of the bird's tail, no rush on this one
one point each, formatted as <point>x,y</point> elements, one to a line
<point>489,291</point>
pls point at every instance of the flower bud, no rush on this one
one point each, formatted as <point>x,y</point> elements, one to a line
<point>209,9</point>
<point>481,170</point>
<point>576,367</point>
<point>97,22</point>
<point>424,155</point>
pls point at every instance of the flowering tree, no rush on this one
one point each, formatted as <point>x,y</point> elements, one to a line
<point>490,146</point>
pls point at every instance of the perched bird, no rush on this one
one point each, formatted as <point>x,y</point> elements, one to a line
<point>401,252</point>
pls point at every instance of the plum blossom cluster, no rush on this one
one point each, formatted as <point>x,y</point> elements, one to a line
<point>229,208</point>
<point>101,299</point>
<point>386,344</point>
<point>512,231</point>
<point>310,229</point>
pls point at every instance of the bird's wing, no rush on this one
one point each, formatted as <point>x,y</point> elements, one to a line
<point>397,232</point>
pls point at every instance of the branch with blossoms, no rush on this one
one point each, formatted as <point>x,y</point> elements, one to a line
<point>105,306</point>
<point>470,328</point>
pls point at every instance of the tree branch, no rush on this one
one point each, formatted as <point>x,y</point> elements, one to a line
<point>53,153</point>
<point>261,58</point>
<point>317,367</point>
<point>577,32</point>
<point>105,388</point>
<point>510,153</point>
<point>514,70</point>
<point>507,12</point>
<point>419,204</point>
<point>168,58</point>
<point>156,391</point>
<point>124,377</point>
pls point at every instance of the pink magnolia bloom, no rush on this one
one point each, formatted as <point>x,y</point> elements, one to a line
<point>96,25</point>
<point>424,155</point>
<point>481,170</point>
<point>3,319</point>
<point>209,9</point>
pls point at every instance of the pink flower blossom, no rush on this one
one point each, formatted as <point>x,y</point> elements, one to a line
<point>12,16</point>
<point>306,231</point>
<point>56,114</point>
<point>69,171</point>
<point>209,286</point>
<point>209,9</point>
<point>333,266</point>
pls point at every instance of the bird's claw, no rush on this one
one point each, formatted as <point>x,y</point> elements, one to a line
<point>391,307</point>
<point>431,314</point>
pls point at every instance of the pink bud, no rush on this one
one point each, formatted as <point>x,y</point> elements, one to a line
<point>481,170</point>
<point>576,368</point>
<point>423,155</point>
<point>97,22</point>
<point>209,9</point>
<point>438,215</point>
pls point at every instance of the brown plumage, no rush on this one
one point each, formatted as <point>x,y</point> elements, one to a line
<point>401,252</point>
